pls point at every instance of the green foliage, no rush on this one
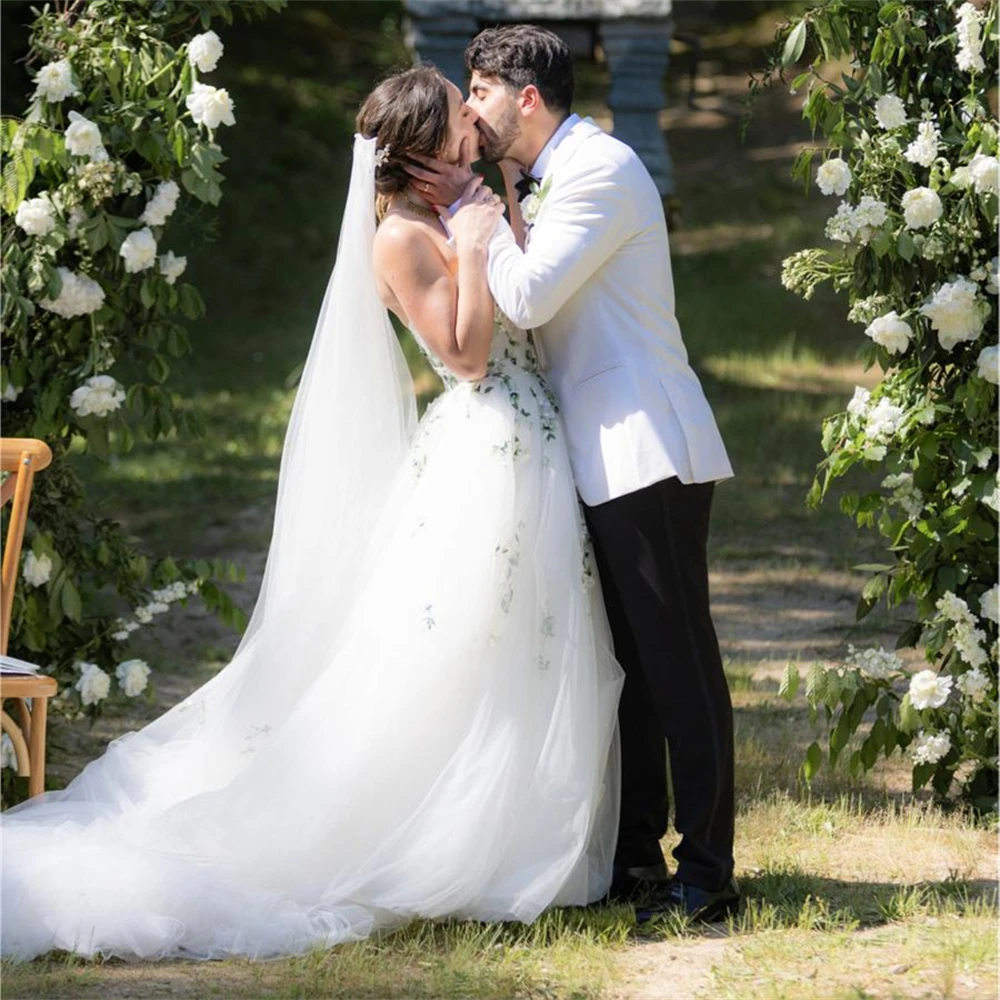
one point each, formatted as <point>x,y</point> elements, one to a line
<point>88,371</point>
<point>931,422</point>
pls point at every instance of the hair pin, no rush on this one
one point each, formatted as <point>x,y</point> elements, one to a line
<point>382,156</point>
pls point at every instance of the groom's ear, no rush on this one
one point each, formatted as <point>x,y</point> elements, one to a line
<point>529,100</point>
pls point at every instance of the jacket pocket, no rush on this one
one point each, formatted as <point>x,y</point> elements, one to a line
<point>614,366</point>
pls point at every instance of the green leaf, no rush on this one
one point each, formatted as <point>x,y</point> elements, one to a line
<point>905,246</point>
<point>814,758</point>
<point>794,44</point>
<point>789,682</point>
<point>71,602</point>
<point>909,717</point>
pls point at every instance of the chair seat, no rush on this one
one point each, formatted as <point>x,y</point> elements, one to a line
<point>27,686</point>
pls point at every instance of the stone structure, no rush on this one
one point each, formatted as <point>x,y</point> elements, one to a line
<point>634,34</point>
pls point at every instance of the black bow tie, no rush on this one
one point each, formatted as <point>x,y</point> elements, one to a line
<point>523,186</point>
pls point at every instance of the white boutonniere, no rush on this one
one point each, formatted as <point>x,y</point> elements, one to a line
<point>532,204</point>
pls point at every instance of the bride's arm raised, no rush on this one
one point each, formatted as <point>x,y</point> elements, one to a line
<point>454,317</point>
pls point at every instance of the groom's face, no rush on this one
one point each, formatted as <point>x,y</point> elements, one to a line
<point>499,119</point>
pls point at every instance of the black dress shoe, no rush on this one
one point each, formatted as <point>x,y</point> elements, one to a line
<point>631,884</point>
<point>694,902</point>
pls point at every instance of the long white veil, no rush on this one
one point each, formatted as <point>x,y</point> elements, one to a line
<point>353,417</point>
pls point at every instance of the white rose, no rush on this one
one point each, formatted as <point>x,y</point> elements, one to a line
<point>139,250</point>
<point>989,603</point>
<point>890,111</point>
<point>858,406</point>
<point>974,684</point>
<point>205,51</point>
<point>834,176</point>
<point>891,332</point>
<point>984,172</point>
<point>132,676</point>
<point>36,569</point>
<point>955,313</point>
<point>210,106</point>
<point>172,266</point>
<point>8,755</point>
<point>93,685</point>
<point>99,395</point>
<point>923,149</point>
<point>161,206</point>
<point>929,690</point>
<point>921,207</point>
<point>83,138</point>
<point>930,749</point>
<point>78,295</point>
<point>11,393</point>
<point>54,82</point>
<point>988,366</point>
<point>36,216</point>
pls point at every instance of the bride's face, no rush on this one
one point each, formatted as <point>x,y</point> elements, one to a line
<point>461,125</point>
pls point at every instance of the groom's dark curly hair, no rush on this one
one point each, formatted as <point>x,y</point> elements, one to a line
<point>522,54</point>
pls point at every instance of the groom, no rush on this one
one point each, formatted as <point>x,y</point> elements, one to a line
<point>588,270</point>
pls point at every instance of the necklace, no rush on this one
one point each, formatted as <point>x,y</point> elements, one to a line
<point>423,210</point>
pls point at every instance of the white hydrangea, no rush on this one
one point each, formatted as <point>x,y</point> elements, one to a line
<point>921,207</point>
<point>143,615</point>
<point>989,604</point>
<point>161,206</point>
<point>11,393</point>
<point>98,396</point>
<point>859,403</point>
<point>205,51</point>
<point>954,609</point>
<point>158,607</point>
<point>905,493</point>
<point>929,689</point>
<point>929,749</point>
<point>77,217</point>
<point>8,755</point>
<point>121,635</point>
<point>884,419</point>
<point>890,112</point>
<point>833,176</point>
<point>993,276</point>
<point>132,676</point>
<point>36,570</point>
<point>876,661</point>
<point>974,684</point>
<point>955,313</point>
<point>94,684</point>
<point>210,106</point>
<point>55,83</point>
<point>968,28</point>
<point>172,266</point>
<point>139,250</point>
<point>984,173</point>
<point>891,332</point>
<point>83,138</point>
<point>970,643</point>
<point>172,592</point>
<point>988,365</point>
<point>924,148</point>
<point>859,222</point>
<point>840,226</point>
<point>36,216</point>
<point>78,295</point>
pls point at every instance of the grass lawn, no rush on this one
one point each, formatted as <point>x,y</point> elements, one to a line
<point>855,889</point>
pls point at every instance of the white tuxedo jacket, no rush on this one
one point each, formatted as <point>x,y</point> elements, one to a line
<point>596,286</point>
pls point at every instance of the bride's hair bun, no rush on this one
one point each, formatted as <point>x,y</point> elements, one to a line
<point>407,113</point>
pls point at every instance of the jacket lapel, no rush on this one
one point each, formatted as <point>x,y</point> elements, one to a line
<point>583,129</point>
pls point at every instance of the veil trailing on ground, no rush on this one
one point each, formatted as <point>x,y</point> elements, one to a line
<point>352,420</point>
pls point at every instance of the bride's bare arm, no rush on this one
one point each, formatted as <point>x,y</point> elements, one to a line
<point>453,317</point>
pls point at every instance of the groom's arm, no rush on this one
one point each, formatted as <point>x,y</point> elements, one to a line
<point>583,221</point>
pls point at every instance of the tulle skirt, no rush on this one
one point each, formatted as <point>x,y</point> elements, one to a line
<point>452,752</point>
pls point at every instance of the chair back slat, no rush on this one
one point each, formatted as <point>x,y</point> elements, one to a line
<point>22,458</point>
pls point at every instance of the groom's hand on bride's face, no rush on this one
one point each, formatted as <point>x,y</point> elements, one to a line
<point>439,182</point>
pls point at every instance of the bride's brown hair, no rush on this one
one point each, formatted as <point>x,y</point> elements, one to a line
<point>408,112</point>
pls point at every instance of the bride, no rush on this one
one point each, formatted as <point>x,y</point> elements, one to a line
<point>420,718</point>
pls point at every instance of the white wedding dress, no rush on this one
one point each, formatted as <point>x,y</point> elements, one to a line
<point>420,720</point>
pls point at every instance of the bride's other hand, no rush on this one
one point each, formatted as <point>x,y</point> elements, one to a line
<point>476,218</point>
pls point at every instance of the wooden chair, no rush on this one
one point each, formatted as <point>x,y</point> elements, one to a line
<point>22,458</point>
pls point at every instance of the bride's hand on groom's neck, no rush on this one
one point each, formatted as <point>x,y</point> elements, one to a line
<point>437,181</point>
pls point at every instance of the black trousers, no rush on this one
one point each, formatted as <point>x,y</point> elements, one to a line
<point>651,549</point>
